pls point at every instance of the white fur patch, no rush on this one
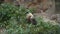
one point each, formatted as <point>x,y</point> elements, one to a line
<point>30,14</point>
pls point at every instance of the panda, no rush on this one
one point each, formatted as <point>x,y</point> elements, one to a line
<point>30,18</point>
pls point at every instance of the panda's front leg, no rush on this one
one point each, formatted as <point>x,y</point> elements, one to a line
<point>28,21</point>
<point>33,21</point>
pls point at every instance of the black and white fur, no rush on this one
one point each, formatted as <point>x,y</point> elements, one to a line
<point>30,18</point>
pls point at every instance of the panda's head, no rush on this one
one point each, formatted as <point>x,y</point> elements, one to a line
<point>30,18</point>
<point>29,15</point>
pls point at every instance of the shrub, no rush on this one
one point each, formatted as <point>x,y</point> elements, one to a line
<point>9,12</point>
<point>41,28</point>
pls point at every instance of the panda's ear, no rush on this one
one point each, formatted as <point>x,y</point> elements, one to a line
<point>26,12</point>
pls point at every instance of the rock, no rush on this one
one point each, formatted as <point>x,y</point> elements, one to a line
<point>58,18</point>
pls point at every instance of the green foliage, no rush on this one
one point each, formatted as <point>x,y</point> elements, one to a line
<point>41,28</point>
<point>9,12</point>
<point>13,18</point>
